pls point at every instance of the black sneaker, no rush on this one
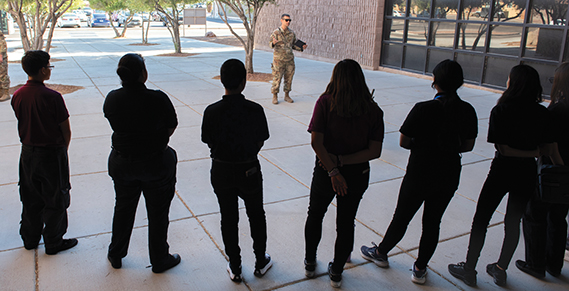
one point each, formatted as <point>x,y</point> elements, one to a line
<point>460,271</point>
<point>309,268</point>
<point>335,279</point>
<point>115,262</point>
<point>261,269</point>
<point>64,245</point>
<point>172,261</point>
<point>524,267</point>
<point>498,274</point>
<point>371,254</point>
<point>235,276</point>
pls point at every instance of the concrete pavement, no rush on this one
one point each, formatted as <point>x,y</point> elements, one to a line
<point>89,59</point>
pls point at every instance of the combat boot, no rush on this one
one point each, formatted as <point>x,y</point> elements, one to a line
<point>287,98</point>
<point>5,95</point>
<point>275,98</point>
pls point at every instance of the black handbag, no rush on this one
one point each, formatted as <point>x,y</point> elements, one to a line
<point>553,183</point>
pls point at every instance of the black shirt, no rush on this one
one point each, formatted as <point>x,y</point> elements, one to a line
<point>233,127</point>
<point>522,126</point>
<point>140,119</point>
<point>438,128</point>
<point>560,111</point>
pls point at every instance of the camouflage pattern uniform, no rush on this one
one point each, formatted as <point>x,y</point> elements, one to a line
<point>4,78</point>
<point>283,58</point>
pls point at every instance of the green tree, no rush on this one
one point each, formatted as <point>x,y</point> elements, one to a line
<point>33,17</point>
<point>171,11</point>
<point>110,6</point>
<point>248,11</point>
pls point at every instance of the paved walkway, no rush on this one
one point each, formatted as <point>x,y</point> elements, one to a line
<point>89,60</point>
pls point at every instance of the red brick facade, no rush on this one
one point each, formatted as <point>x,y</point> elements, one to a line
<point>333,29</point>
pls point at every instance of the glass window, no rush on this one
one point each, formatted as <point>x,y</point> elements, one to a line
<point>505,40</point>
<point>442,34</point>
<point>437,56</point>
<point>549,12</point>
<point>391,54</point>
<point>566,56</point>
<point>395,33</point>
<point>420,8</point>
<point>472,65</point>
<point>395,8</point>
<point>445,9</point>
<point>498,70</point>
<point>475,10</point>
<point>417,32</point>
<point>472,36</point>
<point>545,71</point>
<point>415,58</point>
<point>544,43</point>
<point>512,11</point>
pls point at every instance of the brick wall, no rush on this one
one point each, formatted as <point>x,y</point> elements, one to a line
<point>333,29</point>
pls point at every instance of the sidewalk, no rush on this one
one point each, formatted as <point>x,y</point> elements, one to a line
<point>90,60</point>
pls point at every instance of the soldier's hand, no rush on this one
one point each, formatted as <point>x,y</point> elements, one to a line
<point>304,47</point>
<point>274,40</point>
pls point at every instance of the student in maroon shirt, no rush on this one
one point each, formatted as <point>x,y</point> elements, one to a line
<point>45,133</point>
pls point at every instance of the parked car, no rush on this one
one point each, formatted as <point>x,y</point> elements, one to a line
<point>135,21</point>
<point>69,20</point>
<point>165,21</point>
<point>99,19</point>
<point>88,11</point>
<point>81,14</point>
<point>397,13</point>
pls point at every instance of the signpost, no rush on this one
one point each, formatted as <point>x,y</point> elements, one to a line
<point>195,16</point>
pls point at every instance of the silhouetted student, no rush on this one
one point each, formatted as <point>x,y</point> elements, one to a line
<point>519,128</point>
<point>141,161</point>
<point>437,132</point>
<point>545,224</point>
<point>45,133</point>
<point>235,129</point>
<point>347,132</point>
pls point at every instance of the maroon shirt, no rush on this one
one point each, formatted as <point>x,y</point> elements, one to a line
<point>346,135</point>
<point>39,111</point>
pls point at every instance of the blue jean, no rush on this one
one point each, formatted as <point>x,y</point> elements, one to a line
<point>231,181</point>
<point>516,176</point>
<point>155,177</point>
<point>321,195</point>
<point>44,192</point>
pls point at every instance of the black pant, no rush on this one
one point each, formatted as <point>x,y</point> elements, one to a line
<point>516,176</point>
<point>233,180</point>
<point>545,234</point>
<point>321,195</point>
<point>155,177</point>
<point>44,192</point>
<point>436,192</point>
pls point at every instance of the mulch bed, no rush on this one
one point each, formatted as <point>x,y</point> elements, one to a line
<point>177,55</point>
<point>50,60</point>
<point>255,77</point>
<point>227,40</point>
<point>63,89</point>
<point>144,44</point>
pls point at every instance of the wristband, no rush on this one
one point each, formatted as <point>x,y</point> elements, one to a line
<point>333,172</point>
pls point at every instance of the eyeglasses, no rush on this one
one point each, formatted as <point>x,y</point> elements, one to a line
<point>50,67</point>
<point>287,19</point>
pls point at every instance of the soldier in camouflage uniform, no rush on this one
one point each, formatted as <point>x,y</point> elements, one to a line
<point>283,42</point>
<point>4,79</point>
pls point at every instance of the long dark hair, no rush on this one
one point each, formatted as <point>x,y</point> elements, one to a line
<point>348,88</point>
<point>560,88</point>
<point>131,67</point>
<point>524,86</point>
